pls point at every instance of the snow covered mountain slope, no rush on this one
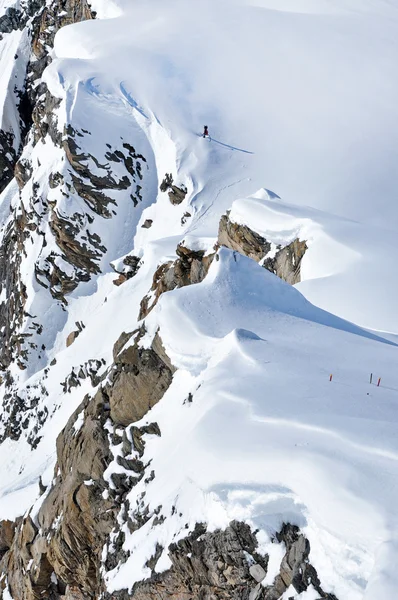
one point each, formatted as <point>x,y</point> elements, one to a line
<point>299,102</point>
<point>176,420</point>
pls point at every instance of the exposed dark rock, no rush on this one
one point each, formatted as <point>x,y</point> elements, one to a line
<point>176,194</point>
<point>286,261</point>
<point>132,263</point>
<point>48,21</point>
<point>20,408</point>
<point>74,519</point>
<point>79,511</point>
<point>88,370</point>
<point>185,217</point>
<point>74,334</point>
<point>209,566</point>
<point>8,157</point>
<point>120,280</point>
<point>127,270</point>
<point>242,239</point>
<point>138,433</point>
<point>11,20</point>
<point>225,565</point>
<point>12,309</point>
<point>44,22</point>
<point>71,338</point>
<point>93,189</point>
<point>139,378</point>
<point>7,533</point>
<point>36,105</point>
<point>191,267</point>
<point>44,119</point>
<point>22,172</point>
<point>295,568</point>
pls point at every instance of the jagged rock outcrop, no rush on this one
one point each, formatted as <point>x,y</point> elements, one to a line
<point>13,290</point>
<point>139,378</point>
<point>287,261</point>
<point>207,566</point>
<point>295,568</point>
<point>36,106</point>
<point>190,267</point>
<point>242,239</point>
<point>78,247</point>
<point>176,194</point>
<point>42,20</point>
<point>18,103</point>
<point>226,565</point>
<point>81,250</point>
<point>126,268</point>
<point>18,16</point>
<point>8,157</point>
<point>282,261</point>
<point>10,21</point>
<point>89,369</point>
<point>7,533</point>
<point>62,546</point>
<point>57,553</point>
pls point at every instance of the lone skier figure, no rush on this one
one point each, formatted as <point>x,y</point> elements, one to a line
<point>206,131</point>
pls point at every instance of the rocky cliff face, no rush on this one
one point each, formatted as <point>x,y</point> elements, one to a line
<point>283,261</point>
<point>38,22</point>
<point>190,267</point>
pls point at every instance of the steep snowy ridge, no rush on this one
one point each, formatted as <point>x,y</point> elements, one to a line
<point>176,420</point>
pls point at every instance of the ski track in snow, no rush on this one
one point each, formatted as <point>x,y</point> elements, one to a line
<point>267,438</point>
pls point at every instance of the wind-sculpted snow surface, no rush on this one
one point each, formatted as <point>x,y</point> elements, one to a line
<point>318,133</point>
<point>347,267</point>
<point>268,416</point>
<point>266,436</point>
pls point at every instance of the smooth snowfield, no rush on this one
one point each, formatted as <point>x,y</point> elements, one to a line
<point>300,98</point>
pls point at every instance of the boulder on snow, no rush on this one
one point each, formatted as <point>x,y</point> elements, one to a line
<point>74,334</point>
<point>126,268</point>
<point>176,194</point>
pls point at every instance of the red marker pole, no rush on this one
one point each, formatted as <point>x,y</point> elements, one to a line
<point>331,377</point>
<point>378,383</point>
